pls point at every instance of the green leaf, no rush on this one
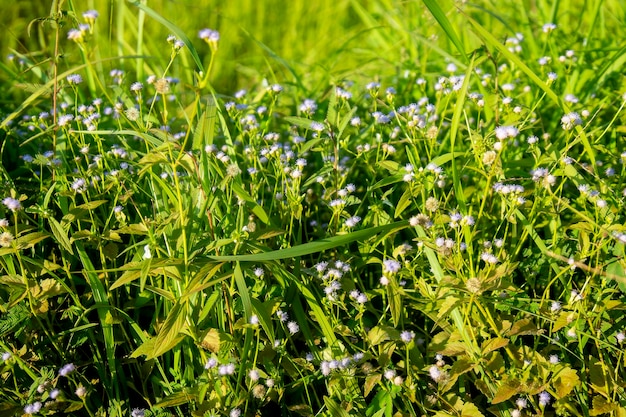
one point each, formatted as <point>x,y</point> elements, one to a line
<point>470,410</point>
<point>503,49</point>
<point>60,234</point>
<point>459,109</point>
<point>205,129</point>
<point>404,202</point>
<point>334,408</point>
<point>174,29</point>
<point>185,396</point>
<point>380,334</point>
<point>300,121</point>
<point>493,344</point>
<point>314,247</point>
<point>133,229</point>
<point>506,390</point>
<point>169,334</point>
<point>256,209</point>
<point>263,312</point>
<point>445,24</point>
<point>565,380</point>
<point>602,406</point>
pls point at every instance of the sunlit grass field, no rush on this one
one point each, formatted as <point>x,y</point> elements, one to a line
<point>323,208</point>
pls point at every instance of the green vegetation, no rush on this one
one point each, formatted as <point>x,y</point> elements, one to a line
<point>333,208</point>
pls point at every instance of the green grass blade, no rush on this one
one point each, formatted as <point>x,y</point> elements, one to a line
<point>101,299</point>
<point>175,30</point>
<point>454,130</point>
<point>445,24</point>
<point>313,247</point>
<point>490,40</point>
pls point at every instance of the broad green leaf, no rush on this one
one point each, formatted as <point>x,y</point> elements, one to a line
<point>380,334</point>
<point>602,406</point>
<point>370,382</point>
<point>31,239</point>
<point>133,229</point>
<point>523,327</point>
<point>168,336</point>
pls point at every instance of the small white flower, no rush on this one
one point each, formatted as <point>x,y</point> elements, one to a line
<point>293,327</point>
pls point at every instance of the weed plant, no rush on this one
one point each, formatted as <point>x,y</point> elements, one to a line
<point>443,237</point>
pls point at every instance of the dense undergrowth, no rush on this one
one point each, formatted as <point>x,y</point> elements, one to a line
<point>445,241</point>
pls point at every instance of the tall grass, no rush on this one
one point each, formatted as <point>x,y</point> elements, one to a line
<point>324,208</point>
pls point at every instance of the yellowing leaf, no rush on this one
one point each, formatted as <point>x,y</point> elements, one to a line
<point>370,382</point>
<point>494,344</point>
<point>566,380</point>
<point>211,341</point>
<point>379,334</point>
<point>506,390</point>
<point>523,327</point>
<point>470,410</point>
<point>602,406</point>
<point>561,321</point>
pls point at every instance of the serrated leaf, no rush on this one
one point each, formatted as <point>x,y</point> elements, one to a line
<point>370,382</point>
<point>31,239</point>
<point>448,304</point>
<point>565,381</point>
<point>185,396</point>
<point>601,405</point>
<point>494,344</point>
<point>380,334</point>
<point>211,340</point>
<point>523,327</point>
<point>561,321</point>
<point>334,408</point>
<point>470,410</point>
<point>60,235</point>
<point>506,390</point>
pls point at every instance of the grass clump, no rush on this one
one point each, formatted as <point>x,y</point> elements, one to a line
<point>445,238</point>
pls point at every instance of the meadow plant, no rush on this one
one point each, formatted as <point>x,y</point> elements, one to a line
<point>445,241</point>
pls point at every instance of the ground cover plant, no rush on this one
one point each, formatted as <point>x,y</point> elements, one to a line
<point>423,219</point>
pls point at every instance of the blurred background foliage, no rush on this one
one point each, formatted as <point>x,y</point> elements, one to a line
<point>311,43</point>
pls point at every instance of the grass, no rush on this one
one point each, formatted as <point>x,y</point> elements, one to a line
<point>326,209</point>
